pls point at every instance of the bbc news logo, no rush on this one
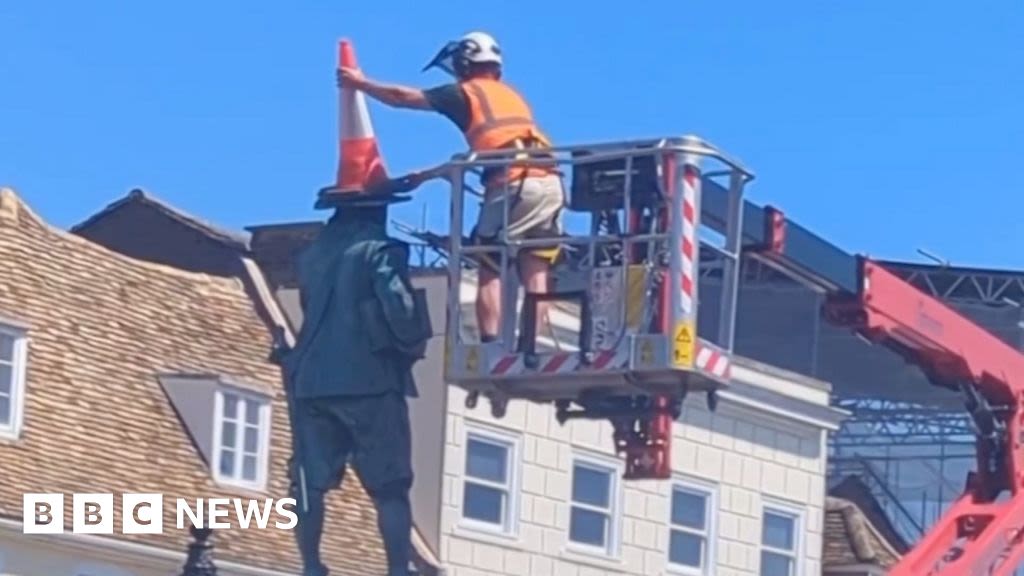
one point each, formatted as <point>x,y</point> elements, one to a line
<point>144,513</point>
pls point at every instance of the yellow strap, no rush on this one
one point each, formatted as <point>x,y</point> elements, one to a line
<point>550,254</point>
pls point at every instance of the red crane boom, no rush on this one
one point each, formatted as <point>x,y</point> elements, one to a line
<point>982,532</point>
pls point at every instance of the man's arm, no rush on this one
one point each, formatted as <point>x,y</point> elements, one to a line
<point>393,95</point>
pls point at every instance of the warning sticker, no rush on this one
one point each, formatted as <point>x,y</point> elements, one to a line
<point>472,360</point>
<point>682,345</point>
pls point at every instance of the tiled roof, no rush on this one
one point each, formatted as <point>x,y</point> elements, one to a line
<point>102,327</point>
<point>230,237</point>
<point>276,247</point>
<point>853,489</point>
<point>851,539</point>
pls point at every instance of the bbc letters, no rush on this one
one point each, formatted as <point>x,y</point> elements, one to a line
<point>144,513</point>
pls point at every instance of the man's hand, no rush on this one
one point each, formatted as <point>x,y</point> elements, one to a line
<point>414,180</point>
<point>430,174</point>
<point>351,77</point>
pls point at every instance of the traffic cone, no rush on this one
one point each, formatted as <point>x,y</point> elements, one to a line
<point>360,165</point>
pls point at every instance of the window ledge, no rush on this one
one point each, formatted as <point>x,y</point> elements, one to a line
<point>592,557</point>
<point>241,488</point>
<point>677,570</point>
<point>487,535</point>
<point>9,435</point>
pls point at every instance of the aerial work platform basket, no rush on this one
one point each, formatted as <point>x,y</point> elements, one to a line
<point>628,282</point>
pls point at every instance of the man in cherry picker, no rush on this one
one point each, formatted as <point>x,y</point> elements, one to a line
<point>492,116</point>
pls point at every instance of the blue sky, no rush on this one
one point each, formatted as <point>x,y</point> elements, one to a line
<point>885,126</point>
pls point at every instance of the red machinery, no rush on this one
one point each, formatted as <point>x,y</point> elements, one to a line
<point>982,532</point>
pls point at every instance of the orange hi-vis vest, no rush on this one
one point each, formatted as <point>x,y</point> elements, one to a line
<point>500,118</point>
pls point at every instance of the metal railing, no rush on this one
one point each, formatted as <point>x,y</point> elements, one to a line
<point>505,248</point>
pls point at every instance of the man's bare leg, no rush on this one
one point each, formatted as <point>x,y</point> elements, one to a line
<point>488,304</point>
<point>536,279</point>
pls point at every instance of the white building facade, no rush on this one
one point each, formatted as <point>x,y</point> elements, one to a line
<point>525,496</point>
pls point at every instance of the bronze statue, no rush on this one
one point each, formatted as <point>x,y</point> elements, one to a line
<point>350,371</point>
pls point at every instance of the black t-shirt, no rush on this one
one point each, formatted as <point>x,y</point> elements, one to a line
<point>451,102</point>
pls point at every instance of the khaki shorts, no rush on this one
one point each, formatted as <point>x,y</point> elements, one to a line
<point>534,211</point>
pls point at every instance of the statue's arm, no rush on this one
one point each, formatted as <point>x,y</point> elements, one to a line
<point>403,308</point>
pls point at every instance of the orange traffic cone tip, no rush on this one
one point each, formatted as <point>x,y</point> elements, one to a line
<point>346,55</point>
<point>360,164</point>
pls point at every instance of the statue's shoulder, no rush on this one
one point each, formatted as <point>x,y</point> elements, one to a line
<point>380,245</point>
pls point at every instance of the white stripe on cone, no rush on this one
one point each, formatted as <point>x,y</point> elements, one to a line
<point>355,115</point>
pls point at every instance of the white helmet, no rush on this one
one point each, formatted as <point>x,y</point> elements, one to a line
<point>473,48</point>
<point>480,47</point>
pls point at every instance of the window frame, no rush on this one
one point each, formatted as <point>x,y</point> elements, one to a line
<point>512,443</point>
<point>613,547</point>
<point>797,514</point>
<point>19,369</point>
<point>263,440</point>
<point>710,492</point>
